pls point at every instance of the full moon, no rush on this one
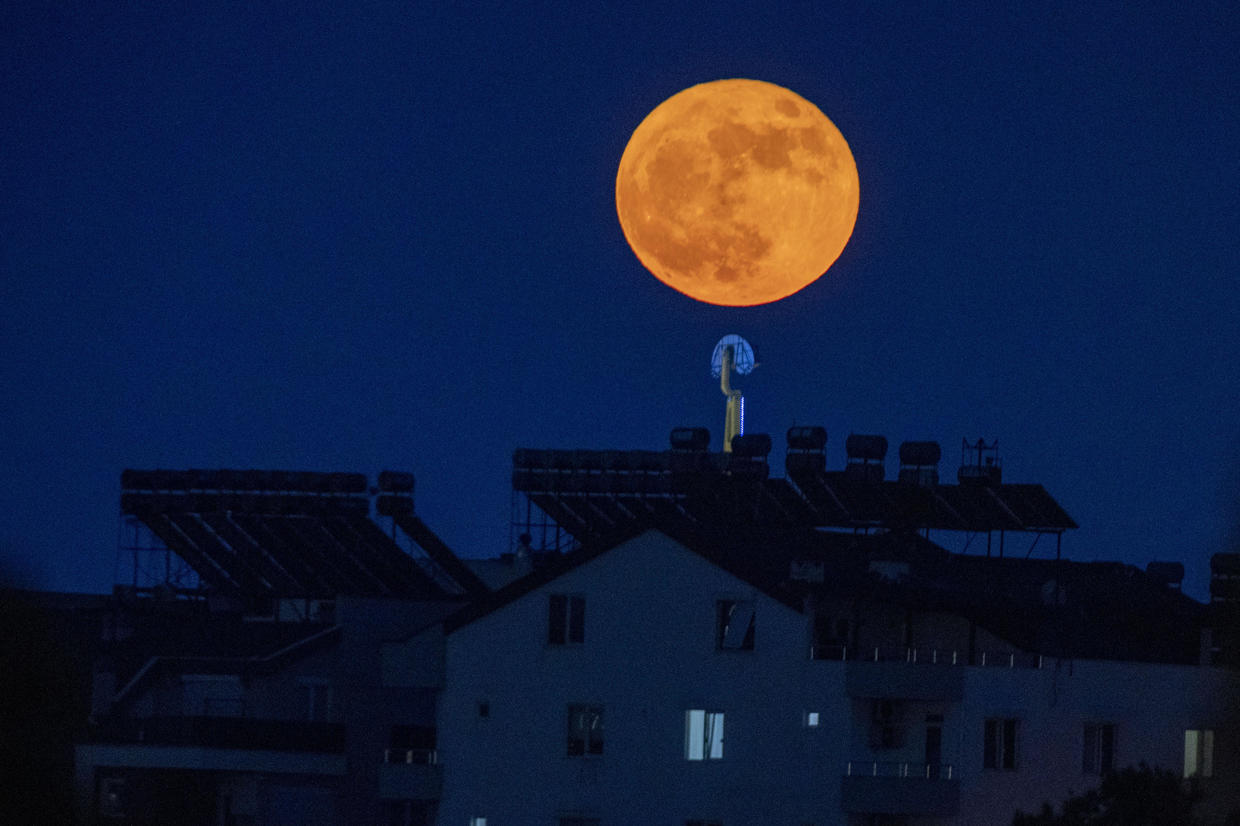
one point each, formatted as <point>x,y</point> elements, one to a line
<point>737,192</point>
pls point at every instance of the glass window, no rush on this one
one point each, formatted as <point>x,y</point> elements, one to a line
<point>410,744</point>
<point>703,734</point>
<point>405,812</point>
<point>566,619</point>
<point>316,699</point>
<point>1199,753</point>
<point>1099,756</point>
<point>734,624</point>
<point>585,730</point>
<point>213,695</point>
<point>999,744</point>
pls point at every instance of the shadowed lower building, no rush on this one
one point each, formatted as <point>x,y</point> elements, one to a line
<point>246,683</point>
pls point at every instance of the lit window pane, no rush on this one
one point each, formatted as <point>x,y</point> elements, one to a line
<point>695,727</point>
<point>1190,752</point>
<point>703,734</point>
<point>714,734</point>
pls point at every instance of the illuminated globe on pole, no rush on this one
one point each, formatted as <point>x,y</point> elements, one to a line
<point>737,192</point>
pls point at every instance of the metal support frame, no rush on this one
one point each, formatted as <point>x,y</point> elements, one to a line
<point>152,563</point>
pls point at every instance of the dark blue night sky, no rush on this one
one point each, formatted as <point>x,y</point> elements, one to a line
<point>321,237</point>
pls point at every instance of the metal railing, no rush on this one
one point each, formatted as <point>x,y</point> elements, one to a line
<point>222,733</point>
<point>928,656</point>
<point>419,757</point>
<point>879,768</point>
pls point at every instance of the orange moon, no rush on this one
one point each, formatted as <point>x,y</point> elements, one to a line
<point>737,192</point>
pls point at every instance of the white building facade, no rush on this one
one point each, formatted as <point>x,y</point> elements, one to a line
<point>649,683</point>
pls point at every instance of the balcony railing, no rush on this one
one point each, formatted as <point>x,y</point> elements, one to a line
<point>885,788</point>
<point>928,656</point>
<point>878,768</point>
<point>419,757</point>
<point>224,733</point>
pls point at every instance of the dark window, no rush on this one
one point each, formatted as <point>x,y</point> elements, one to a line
<point>1099,755</point>
<point>577,820</point>
<point>585,730</point>
<point>484,708</point>
<point>999,748</point>
<point>410,744</point>
<point>703,823</point>
<point>886,727</point>
<point>316,700</point>
<point>408,812</point>
<point>734,625</point>
<point>566,619</point>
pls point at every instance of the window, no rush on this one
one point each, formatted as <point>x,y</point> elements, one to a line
<point>703,734</point>
<point>484,708</point>
<point>1199,753</point>
<point>703,823</point>
<point>811,719</point>
<point>113,797</point>
<point>566,619</point>
<point>999,749</point>
<point>577,820</point>
<point>585,730</point>
<point>887,729</point>
<point>1099,757</point>
<point>213,695</point>
<point>406,812</point>
<point>477,821</point>
<point>316,699</point>
<point>734,625</point>
<point>411,744</point>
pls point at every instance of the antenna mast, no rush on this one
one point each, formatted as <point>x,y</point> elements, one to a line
<point>732,353</point>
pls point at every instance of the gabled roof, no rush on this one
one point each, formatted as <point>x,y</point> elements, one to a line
<point>728,552</point>
<point>1093,610</point>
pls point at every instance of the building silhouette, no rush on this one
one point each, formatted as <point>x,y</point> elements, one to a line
<point>675,636</point>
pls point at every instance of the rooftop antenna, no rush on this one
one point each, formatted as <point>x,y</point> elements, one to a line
<point>732,353</point>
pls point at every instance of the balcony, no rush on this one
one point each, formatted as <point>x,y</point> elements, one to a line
<point>410,774</point>
<point>236,744</point>
<point>224,733</point>
<point>905,674</point>
<point>871,787</point>
<point>893,673</point>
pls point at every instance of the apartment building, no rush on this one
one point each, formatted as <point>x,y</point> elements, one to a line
<point>719,646</point>
<point>676,637</point>
<point>661,681</point>
<point>247,685</point>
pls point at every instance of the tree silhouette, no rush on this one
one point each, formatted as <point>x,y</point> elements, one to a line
<point>1135,796</point>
